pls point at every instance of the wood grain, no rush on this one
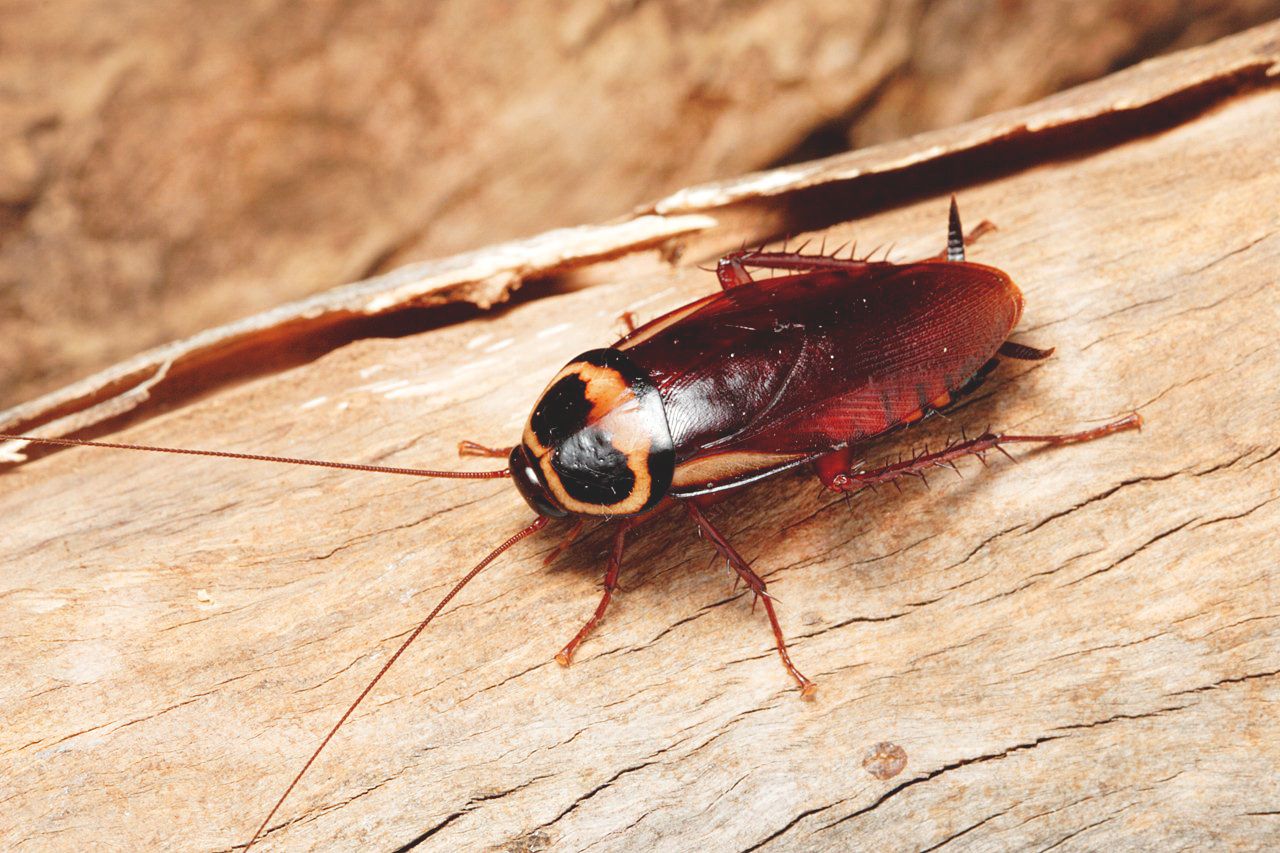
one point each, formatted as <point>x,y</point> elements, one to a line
<point>1080,651</point>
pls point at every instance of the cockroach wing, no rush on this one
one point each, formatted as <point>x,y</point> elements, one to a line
<point>755,378</point>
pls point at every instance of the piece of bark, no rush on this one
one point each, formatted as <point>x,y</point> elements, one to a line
<point>1081,650</point>
<point>169,167</point>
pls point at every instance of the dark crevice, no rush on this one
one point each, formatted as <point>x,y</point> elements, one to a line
<point>472,805</point>
<point>1266,458</point>
<point>1034,577</point>
<point>1070,835</point>
<point>597,789</point>
<point>1237,516</point>
<point>1158,712</point>
<point>820,207</point>
<point>789,825</point>
<point>964,831</point>
<point>1240,679</point>
<point>1135,552</point>
<point>1100,497</point>
<point>267,352</point>
<point>946,768</point>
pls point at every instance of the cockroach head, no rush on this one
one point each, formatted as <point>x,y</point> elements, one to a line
<point>597,442</point>
<point>531,488</point>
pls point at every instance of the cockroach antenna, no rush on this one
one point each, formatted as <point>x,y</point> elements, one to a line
<point>465,448</point>
<point>255,457</point>
<point>537,524</point>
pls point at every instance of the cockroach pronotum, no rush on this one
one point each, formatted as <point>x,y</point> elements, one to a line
<point>760,377</point>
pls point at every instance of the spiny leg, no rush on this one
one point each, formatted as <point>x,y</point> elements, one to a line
<point>565,657</point>
<point>731,270</point>
<point>852,481</point>
<point>756,584</point>
<point>470,448</point>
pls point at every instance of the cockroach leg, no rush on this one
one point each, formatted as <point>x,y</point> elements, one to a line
<point>983,228</point>
<point>628,319</point>
<point>568,539</point>
<point>917,465</point>
<point>731,272</point>
<point>833,465</point>
<point>732,268</point>
<point>470,448</point>
<point>756,584</point>
<point>565,656</point>
<point>976,381</point>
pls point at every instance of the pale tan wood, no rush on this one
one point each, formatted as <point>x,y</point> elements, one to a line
<point>1081,650</point>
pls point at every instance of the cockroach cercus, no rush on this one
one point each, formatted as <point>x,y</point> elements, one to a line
<point>760,377</point>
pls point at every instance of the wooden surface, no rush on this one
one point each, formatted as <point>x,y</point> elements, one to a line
<point>1081,650</point>
<point>168,167</point>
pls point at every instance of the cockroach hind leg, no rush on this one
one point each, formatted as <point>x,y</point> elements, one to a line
<point>834,467</point>
<point>565,656</point>
<point>916,465</point>
<point>554,553</point>
<point>757,586</point>
<point>731,272</point>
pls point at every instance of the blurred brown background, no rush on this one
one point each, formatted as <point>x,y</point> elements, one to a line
<point>164,168</point>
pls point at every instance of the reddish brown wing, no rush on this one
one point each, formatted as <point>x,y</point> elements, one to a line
<point>757,377</point>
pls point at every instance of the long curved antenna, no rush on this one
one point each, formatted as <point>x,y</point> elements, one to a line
<point>533,528</point>
<point>349,466</point>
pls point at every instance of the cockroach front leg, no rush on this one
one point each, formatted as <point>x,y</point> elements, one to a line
<point>854,480</point>
<point>565,656</point>
<point>554,553</point>
<point>756,585</point>
<point>470,448</point>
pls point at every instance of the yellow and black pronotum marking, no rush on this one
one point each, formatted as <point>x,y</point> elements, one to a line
<point>597,442</point>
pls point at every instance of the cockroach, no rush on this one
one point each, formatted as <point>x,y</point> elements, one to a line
<point>760,377</point>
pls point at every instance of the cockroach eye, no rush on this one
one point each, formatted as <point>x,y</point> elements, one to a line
<point>530,487</point>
